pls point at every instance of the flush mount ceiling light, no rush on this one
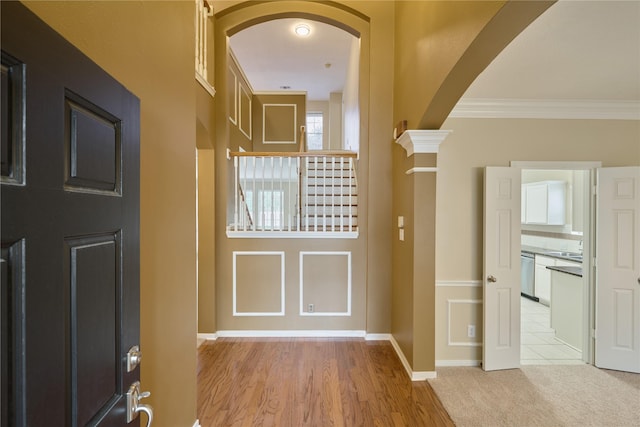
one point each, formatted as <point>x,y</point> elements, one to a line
<point>302,30</point>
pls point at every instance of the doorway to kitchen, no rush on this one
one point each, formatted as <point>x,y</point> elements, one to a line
<point>555,245</point>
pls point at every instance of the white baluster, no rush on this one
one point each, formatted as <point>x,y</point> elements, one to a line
<point>350,192</point>
<point>341,196</point>
<point>235,213</point>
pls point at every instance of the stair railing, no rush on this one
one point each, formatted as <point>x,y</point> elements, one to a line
<point>294,192</point>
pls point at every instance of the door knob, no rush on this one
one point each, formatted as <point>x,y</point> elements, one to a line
<point>492,279</point>
<point>134,407</point>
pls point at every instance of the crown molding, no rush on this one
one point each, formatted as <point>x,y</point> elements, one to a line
<point>422,141</point>
<point>486,108</point>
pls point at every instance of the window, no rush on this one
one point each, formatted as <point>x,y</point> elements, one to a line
<point>314,131</point>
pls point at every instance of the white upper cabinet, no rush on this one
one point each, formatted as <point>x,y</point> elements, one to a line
<point>544,203</point>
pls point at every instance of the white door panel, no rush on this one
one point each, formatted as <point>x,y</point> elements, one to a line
<point>618,269</point>
<point>501,289</point>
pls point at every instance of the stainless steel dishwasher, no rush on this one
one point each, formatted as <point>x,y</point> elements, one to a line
<point>527,275</point>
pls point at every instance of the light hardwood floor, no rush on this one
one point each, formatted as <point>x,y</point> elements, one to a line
<point>310,382</point>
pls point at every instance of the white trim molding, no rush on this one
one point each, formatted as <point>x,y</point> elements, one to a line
<point>421,169</point>
<point>205,84</point>
<point>297,333</point>
<point>264,121</point>
<point>301,268</point>
<point>422,140</point>
<point>196,424</point>
<point>377,337</point>
<point>450,341</point>
<point>207,336</point>
<point>458,283</point>
<point>414,375</point>
<point>282,283</point>
<point>292,234</point>
<point>487,108</point>
<point>445,363</point>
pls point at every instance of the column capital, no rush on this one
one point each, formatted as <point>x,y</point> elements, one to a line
<point>422,140</point>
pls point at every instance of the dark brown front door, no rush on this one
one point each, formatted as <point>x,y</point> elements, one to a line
<point>70,231</point>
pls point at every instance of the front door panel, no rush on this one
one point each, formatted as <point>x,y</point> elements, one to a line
<point>70,231</point>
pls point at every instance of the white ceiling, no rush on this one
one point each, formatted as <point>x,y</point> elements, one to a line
<point>271,56</point>
<point>577,50</point>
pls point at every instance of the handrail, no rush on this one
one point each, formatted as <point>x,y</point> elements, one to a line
<point>350,154</point>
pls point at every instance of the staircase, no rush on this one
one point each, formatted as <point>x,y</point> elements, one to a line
<point>330,194</point>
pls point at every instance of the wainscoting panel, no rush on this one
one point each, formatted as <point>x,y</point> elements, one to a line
<point>279,123</point>
<point>463,314</point>
<point>458,305</point>
<point>325,282</point>
<point>258,283</point>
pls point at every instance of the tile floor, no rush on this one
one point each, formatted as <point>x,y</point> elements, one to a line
<point>538,343</point>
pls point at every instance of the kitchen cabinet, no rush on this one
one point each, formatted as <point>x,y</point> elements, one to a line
<point>566,307</point>
<point>544,203</point>
<point>543,276</point>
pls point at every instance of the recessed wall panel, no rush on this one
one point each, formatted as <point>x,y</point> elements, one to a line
<point>325,282</point>
<point>279,123</point>
<point>244,111</point>
<point>258,283</point>
<point>460,314</point>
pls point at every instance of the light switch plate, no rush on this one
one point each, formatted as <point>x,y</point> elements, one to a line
<point>400,221</point>
<point>401,234</point>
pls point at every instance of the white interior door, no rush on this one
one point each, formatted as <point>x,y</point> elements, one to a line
<point>501,288</point>
<point>618,269</point>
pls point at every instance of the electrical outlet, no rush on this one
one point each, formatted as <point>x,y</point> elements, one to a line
<point>471,331</point>
<point>310,308</point>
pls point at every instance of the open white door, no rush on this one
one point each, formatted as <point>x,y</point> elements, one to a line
<point>501,288</point>
<point>618,269</point>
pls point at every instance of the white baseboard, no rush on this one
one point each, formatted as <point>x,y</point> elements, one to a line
<point>378,337</point>
<point>292,334</point>
<point>414,375</point>
<point>196,424</point>
<point>444,363</point>
<point>208,337</point>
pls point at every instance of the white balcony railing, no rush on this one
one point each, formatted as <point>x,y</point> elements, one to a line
<point>294,194</point>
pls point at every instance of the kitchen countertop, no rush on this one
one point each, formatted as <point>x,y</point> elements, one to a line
<point>552,253</point>
<point>574,271</point>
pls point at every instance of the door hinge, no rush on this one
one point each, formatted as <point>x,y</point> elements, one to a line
<point>593,334</point>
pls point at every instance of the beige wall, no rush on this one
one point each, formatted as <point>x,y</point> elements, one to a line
<point>443,45</point>
<point>148,46</point>
<point>477,143</point>
<point>425,30</point>
<point>371,263</point>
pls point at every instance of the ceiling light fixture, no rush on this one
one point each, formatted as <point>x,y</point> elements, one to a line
<point>303,30</point>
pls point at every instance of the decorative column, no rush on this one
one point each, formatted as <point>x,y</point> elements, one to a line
<point>414,199</point>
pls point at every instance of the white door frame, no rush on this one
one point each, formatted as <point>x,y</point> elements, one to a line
<point>588,241</point>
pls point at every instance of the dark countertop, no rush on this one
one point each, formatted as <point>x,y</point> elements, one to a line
<point>547,252</point>
<point>574,271</point>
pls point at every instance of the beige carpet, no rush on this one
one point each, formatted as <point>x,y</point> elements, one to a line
<point>580,395</point>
